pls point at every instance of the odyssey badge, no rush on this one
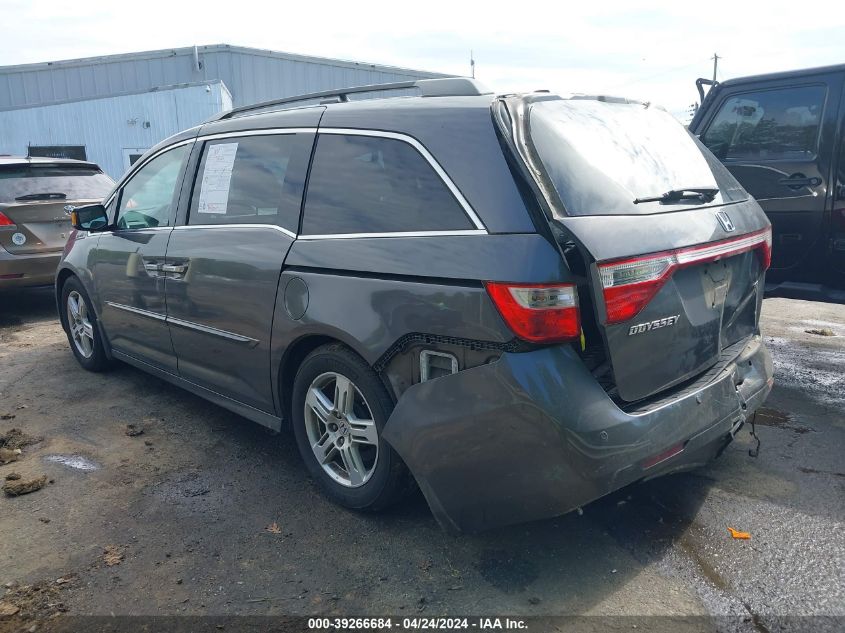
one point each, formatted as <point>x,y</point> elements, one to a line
<point>653,325</point>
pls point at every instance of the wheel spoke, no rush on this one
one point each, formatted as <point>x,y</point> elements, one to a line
<point>324,449</point>
<point>344,394</point>
<point>352,463</point>
<point>319,404</point>
<point>363,431</point>
<point>87,330</point>
<point>73,304</point>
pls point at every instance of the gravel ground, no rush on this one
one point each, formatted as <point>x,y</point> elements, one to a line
<point>205,513</point>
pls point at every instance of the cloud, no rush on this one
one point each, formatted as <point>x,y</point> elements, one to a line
<point>651,51</point>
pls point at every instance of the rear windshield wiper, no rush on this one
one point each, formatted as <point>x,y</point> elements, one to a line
<point>705,194</point>
<point>43,196</point>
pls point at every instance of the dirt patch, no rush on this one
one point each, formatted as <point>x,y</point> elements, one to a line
<point>133,430</point>
<point>15,438</point>
<point>40,601</point>
<point>112,555</point>
<point>778,419</point>
<point>821,331</point>
<point>8,456</point>
<point>507,572</point>
<point>17,487</point>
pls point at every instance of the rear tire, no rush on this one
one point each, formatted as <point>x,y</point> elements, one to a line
<point>339,408</point>
<point>81,327</point>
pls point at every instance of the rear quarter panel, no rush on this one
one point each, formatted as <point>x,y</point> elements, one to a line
<point>370,292</point>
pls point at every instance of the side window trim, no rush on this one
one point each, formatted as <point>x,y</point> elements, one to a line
<point>750,89</point>
<point>200,140</point>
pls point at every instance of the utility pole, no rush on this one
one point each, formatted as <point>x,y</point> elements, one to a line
<point>715,65</point>
<point>471,64</point>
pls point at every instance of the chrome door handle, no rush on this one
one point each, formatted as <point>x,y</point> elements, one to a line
<point>796,181</point>
<point>174,268</point>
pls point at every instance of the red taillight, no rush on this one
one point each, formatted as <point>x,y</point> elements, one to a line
<point>629,284</point>
<point>765,249</point>
<point>5,221</point>
<point>538,313</point>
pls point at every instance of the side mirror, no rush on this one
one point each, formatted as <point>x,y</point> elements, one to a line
<point>92,217</point>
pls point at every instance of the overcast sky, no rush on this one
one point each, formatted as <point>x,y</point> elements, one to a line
<point>649,49</point>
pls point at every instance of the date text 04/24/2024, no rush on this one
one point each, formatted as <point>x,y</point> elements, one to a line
<point>418,623</point>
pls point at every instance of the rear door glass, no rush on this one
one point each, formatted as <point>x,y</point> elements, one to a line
<point>52,182</point>
<point>780,124</point>
<point>367,184</point>
<point>252,180</point>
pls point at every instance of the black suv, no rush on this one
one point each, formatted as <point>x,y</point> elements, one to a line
<point>520,303</point>
<point>781,136</point>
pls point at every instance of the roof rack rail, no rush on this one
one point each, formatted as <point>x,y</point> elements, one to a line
<point>445,87</point>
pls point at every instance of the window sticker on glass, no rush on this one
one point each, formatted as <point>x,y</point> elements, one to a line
<point>217,177</point>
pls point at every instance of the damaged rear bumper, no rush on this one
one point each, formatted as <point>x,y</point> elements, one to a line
<point>533,435</point>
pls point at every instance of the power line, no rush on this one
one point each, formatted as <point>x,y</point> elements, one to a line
<point>660,74</point>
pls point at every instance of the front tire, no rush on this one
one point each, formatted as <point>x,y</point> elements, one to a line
<point>80,323</point>
<point>339,408</point>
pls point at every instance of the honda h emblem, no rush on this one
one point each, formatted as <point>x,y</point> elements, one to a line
<point>725,221</point>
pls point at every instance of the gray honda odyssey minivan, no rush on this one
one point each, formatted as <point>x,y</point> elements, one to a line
<point>518,303</point>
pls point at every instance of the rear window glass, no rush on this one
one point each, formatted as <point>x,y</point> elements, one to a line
<point>365,184</point>
<point>601,156</point>
<point>768,125</point>
<point>52,182</point>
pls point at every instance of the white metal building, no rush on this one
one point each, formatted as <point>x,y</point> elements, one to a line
<point>110,109</point>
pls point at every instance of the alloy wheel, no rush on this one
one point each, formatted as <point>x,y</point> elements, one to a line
<point>341,430</point>
<point>81,330</point>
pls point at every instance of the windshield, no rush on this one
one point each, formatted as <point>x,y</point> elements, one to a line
<point>33,183</point>
<point>602,156</point>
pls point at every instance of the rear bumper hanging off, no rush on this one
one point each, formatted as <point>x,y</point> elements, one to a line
<point>533,435</point>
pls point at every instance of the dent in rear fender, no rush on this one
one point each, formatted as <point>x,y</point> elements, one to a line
<point>370,314</point>
<point>533,435</point>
